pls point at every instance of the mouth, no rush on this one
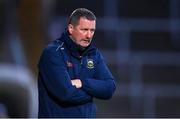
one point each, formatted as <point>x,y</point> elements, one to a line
<point>87,40</point>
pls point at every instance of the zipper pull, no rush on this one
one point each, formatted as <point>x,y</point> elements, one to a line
<point>80,57</point>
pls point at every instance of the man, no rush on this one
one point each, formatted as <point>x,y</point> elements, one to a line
<point>72,71</point>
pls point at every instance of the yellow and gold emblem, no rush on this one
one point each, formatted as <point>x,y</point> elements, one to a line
<point>90,63</point>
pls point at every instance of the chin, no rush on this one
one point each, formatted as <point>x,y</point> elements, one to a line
<point>85,45</point>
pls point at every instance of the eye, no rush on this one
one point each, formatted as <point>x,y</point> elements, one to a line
<point>92,30</point>
<point>84,30</point>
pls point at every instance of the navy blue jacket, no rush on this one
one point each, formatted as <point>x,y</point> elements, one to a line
<point>62,61</point>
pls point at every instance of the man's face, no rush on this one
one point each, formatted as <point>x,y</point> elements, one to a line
<point>82,34</point>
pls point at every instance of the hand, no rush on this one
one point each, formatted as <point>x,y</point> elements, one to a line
<point>77,83</point>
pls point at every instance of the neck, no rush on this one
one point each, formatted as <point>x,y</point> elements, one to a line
<point>80,48</point>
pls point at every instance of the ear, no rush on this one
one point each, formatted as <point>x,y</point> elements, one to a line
<point>70,28</point>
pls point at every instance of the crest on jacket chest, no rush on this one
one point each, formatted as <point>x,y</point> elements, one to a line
<point>90,63</point>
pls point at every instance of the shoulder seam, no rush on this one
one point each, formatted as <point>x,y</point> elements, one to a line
<point>59,46</point>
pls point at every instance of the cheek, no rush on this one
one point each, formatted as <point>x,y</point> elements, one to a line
<point>79,36</point>
<point>75,35</point>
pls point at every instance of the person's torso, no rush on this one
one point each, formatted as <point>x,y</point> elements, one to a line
<point>77,67</point>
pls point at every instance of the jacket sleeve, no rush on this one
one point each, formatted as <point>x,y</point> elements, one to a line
<point>102,85</point>
<point>57,80</point>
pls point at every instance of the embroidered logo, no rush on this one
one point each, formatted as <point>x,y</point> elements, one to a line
<point>90,63</point>
<point>69,64</point>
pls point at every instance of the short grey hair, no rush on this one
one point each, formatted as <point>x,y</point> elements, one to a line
<point>79,13</point>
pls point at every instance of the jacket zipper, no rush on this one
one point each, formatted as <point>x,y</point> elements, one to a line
<point>81,62</point>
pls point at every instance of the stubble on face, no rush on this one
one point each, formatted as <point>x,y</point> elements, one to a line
<point>82,33</point>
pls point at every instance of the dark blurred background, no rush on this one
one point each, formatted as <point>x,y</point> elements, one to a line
<point>140,40</point>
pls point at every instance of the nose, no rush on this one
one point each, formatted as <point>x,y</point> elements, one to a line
<point>89,34</point>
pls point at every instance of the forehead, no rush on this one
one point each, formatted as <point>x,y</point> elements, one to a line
<point>85,22</point>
